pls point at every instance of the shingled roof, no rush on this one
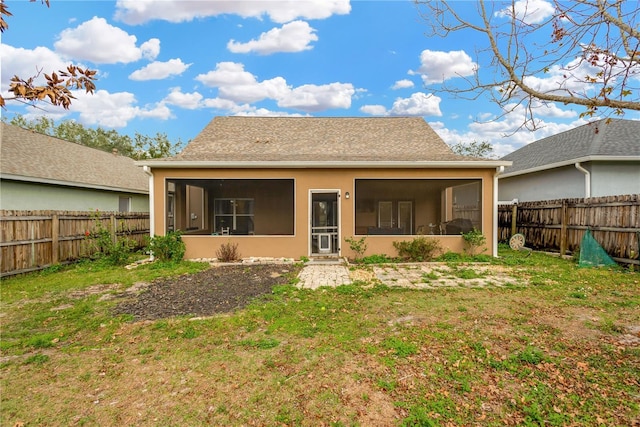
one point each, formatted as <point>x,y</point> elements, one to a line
<point>35,157</point>
<point>317,139</point>
<point>613,139</point>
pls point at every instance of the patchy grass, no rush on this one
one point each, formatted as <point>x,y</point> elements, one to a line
<point>552,349</point>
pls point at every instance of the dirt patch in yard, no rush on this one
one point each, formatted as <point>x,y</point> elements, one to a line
<point>220,289</point>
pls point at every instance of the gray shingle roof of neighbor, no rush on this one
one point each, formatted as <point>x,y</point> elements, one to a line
<point>32,156</point>
<point>603,138</point>
<point>317,139</point>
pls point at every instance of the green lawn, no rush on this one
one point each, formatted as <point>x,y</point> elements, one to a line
<point>555,348</point>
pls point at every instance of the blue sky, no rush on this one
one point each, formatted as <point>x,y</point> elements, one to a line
<point>171,66</point>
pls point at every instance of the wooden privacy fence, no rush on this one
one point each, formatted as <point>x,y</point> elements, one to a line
<point>33,240</point>
<point>558,225</point>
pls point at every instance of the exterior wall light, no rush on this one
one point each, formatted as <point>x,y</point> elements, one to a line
<point>347,195</point>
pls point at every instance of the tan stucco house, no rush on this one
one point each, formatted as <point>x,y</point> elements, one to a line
<point>293,187</point>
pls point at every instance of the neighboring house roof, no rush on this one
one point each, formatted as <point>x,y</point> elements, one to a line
<point>605,140</point>
<point>35,157</point>
<point>309,141</point>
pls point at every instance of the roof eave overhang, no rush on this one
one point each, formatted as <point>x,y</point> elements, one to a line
<point>184,164</point>
<point>37,180</point>
<point>570,163</point>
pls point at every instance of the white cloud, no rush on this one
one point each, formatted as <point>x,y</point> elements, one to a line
<point>374,110</point>
<point>150,49</point>
<point>225,105</point>
<point>552,110</point>
<point>52,114</point>
<point>99,42</point>
<point>227,73</point>
<point>528,11</point>
<point>263,112</point>
<point>188,101</point>
<point>504,133</point>
<point>402,84</point>
<point>240,86</point>
<point>280,11</point>
<point>438,66</point>
<point>158,111</point>
<point>418,104</point>
<point>27,63</point>
<point>244,109</point>
<point>160,70</point>
<point>318,98</point>
<point>292,37</point>
<point>113,110</point>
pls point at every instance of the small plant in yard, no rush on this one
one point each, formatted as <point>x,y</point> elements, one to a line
<point>359,246</point>
<point>376,259</point>
<point>167,248</point>
<point>419,249</point>
<point>228,252</point>
<point>467,273</point>
<point>427,277</point>
<point>473,240</point>
<point>530,355</point>
<point>103,245</point>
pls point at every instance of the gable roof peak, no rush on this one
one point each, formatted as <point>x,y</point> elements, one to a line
<point>249,138</point>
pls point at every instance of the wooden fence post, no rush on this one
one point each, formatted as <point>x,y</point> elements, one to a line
<point>514,214</point>
<point>563,229</point>
<point>114,230</point>
<point>32,238</point>
<point>55,235</point>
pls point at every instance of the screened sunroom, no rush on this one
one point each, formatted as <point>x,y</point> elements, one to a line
<point>230,206</point>
<point>417,206</point>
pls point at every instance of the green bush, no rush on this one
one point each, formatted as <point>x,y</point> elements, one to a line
<point>104,246</point>
<point>359,246</point>
<point>473,240</point>
<point>419,249</point>
<point>167,248</point>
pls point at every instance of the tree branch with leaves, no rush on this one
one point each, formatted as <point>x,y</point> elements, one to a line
<point>58,86</point>
<point>534,53</point>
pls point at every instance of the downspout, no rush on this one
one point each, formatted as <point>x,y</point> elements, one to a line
<point>587,179</point>
<point>147,170</point>
<point>499,170</point>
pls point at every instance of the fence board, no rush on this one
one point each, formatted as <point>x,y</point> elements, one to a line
<point>32,240</point>
<point>559,225</point>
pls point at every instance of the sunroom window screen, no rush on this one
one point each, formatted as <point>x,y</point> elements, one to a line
<point>234,215</point>
<point>417,206</point>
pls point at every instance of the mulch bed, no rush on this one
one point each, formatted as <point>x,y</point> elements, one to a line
<point>217,290</point>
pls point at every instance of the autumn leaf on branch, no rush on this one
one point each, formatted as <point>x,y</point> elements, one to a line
<point>58,86</point>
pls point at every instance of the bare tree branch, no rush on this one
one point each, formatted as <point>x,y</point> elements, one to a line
<point>589,54</point>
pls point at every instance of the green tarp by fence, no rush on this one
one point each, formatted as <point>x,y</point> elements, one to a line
<point>592,254</point>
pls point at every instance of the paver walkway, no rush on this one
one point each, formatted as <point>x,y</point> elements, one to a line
<point>315,276</point>
<point>418,275</point>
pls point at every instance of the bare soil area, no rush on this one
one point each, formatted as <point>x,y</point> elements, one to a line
<point>220,289</point>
